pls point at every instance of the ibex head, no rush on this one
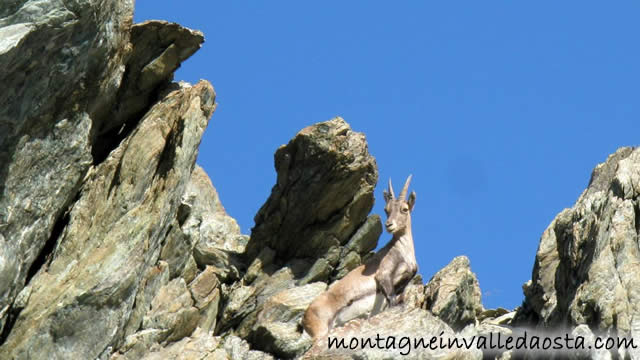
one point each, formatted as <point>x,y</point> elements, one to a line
<point>398,210</point>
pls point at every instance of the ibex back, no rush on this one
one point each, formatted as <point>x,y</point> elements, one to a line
<point>371,286</point>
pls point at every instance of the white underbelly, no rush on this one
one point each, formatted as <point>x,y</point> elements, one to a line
<point>363,307</point>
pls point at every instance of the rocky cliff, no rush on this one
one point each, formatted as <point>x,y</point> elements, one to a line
<point>587,264</point>
<point>114,244</point>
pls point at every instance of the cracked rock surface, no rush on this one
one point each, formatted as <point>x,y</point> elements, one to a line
<point>79,303</point>
<point>587,264</point>
<point>327,165</point>
<point>50,93</point>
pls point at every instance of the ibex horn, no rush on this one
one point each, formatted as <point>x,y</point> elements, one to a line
<point>405,188</point>
<point>393,196</point>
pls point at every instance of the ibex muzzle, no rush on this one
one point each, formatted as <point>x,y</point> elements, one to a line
<point>364,289</point>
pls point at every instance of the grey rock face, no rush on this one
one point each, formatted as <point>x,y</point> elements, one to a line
<point>50,93</point>
<point>327,165</point>
<point>215,236</point>
<point>80,303</point>
<point>158,48</point>
<point>276,330</point>
<point>177,311</point>
<point>588,259</point>
<point>453,294</point>
<point>153,280</point>
<point>366,238</point>
<point>172,312</point>
<point>360,244</point>
<point>246,302</point>
<point>203,235</point>
<point>166,311</point>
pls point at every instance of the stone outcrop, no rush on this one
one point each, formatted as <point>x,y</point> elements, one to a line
<point>115,231</point>
<point>327,165</point>
<point>586,267</point>
<point>277,325</point>
<point>178,306</point>
<point>94,186</point>
<point>156,50</point>
<point>453,294</point>
<point>50,93</point>
<point>295,248</point>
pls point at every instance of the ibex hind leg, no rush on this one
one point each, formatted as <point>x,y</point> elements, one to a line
<point>360,308</point>
<point>318,317</point>
<point>385,284</point>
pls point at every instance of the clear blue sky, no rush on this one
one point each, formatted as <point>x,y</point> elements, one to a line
<point>499,109</point>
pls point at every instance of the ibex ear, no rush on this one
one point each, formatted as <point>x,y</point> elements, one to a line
<point>412,200</point>
<point>386,196</point>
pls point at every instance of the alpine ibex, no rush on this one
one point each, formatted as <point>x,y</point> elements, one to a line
<point>366,288</point>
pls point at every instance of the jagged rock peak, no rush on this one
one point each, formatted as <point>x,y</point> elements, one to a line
<point>587,264</point>
<point>61,63</point>
<point>327,165</point>
<point>95,153</point>
<point>157,50</point>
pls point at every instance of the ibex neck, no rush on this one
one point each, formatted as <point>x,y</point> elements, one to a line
<point>404,244</point>
<point>405,236</point>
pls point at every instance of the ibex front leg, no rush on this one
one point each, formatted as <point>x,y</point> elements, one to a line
<point>393,280</point>
<point>385,285</point>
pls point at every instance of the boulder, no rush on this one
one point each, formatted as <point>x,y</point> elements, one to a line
<point>328,165</point>
<point>172,311</point>
<point>277,330</point>
<point>453,294</point>
<point>205,290</point>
